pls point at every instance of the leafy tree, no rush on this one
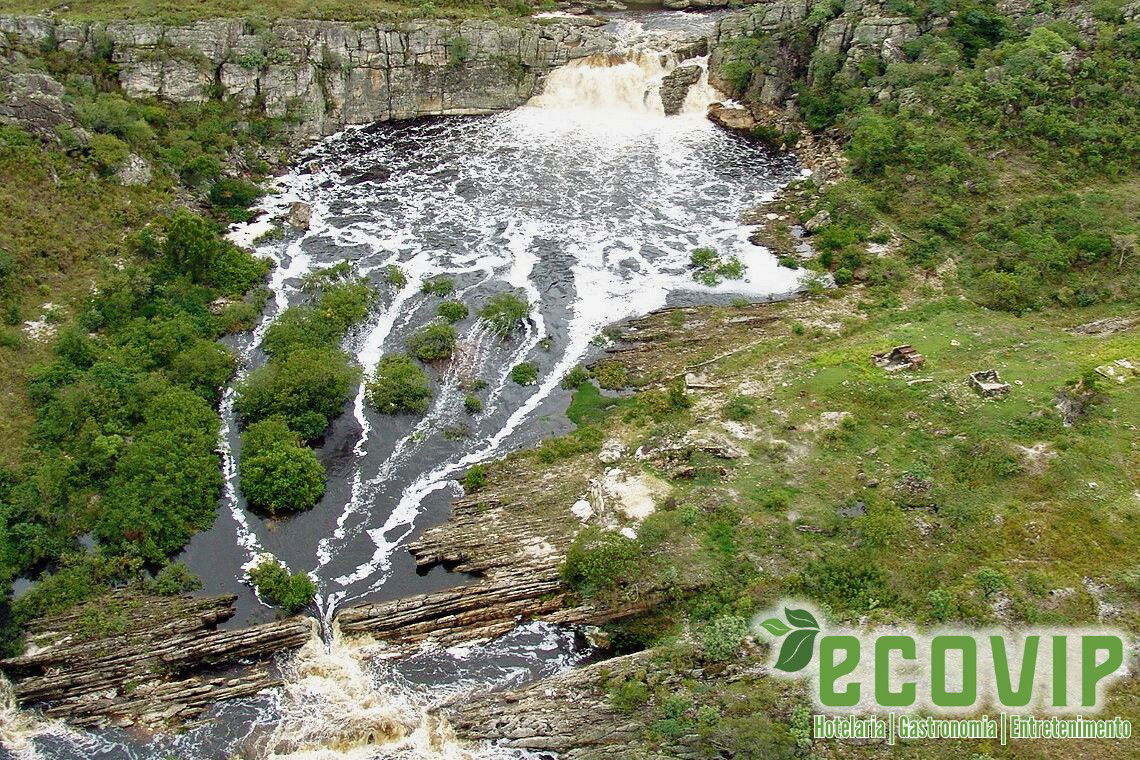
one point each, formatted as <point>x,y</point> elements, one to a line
<point>191,245</point>
<point>308,387</point>
<point>284,478</point>
<point>204,367</point>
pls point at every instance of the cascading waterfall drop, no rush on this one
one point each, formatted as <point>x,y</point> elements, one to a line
<point>589,201</point>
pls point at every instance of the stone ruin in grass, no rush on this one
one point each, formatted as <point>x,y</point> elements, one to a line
<point>988,383</point>
<point>899,358</point>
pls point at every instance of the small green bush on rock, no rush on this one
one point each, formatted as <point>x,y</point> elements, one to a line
<point>525,373</point>
<point>453,311</point>
<point>433,342</point>
<point>505,312</point>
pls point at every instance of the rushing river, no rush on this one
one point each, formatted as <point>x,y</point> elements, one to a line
<point>589,201</point>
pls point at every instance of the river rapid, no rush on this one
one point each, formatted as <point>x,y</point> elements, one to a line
<point>589,201</point>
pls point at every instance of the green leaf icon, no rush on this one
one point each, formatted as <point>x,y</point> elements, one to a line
<point>797,650</point>
<point>775,626</point>
<point>801,618</point>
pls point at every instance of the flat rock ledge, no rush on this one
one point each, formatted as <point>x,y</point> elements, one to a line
<point>514,554</point>
<point>169,664</point>
<point>570,715</point>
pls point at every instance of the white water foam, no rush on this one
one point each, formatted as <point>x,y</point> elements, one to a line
<point>590,202</point>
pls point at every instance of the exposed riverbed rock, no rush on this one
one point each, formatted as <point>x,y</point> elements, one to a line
<point>322,75</point>
<point>129,658</point>
<point>675,86</point>
<point>514,552</point>
<point>571,714</point>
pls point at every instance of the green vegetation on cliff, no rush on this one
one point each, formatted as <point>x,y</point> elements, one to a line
<point>1006,146</point>
<point>168,12</point>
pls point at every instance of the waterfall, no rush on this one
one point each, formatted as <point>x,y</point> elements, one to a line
<point>625,83</point>
<point>590,201</point>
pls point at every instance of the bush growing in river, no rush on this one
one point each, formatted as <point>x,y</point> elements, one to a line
<point>453,311</point>
<point>292,593</point>
<point>433,342</point>
<point>399,385</point>
<point>505,312</point>
<point>438,286</point>
<point>278,474</point>
<point>284,478</point>
<point>308,387</point>
<point>709,268</point>
<point>472,404</point>
<point>525,373</point>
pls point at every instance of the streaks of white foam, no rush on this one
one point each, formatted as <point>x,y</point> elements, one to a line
<point>299,263</point>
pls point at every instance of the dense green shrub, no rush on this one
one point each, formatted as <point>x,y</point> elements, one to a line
<point>274,583</point>
<point>453,311</point>
<point>166,482</point>
<point>505,312</point>
<point>399,385</point>
<point>433,342</point>
<point>204,367</point>
<point>278,474</point>
<point>308,387</point>
<point>286,478</point>
<point>600,560</point>
<point>525,373</point>
<point>472,404</point>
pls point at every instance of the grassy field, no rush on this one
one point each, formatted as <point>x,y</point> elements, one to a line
<point>883,497</point>
<point>165,11</point>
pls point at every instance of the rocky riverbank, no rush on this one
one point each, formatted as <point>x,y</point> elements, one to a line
<point>129,658</point>
<point>323,75</point>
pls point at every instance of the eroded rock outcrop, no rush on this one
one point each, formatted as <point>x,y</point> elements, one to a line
<point>130,658</point>
<point>514,551</point>
<point>322,75</point>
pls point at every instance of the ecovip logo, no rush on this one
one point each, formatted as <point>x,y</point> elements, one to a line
<point>911,676</point>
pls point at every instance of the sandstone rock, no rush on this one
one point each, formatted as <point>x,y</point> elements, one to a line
<point>322,75</point>
<point>32,100</point>
<point>164,663</point>
<point>675,86</point>
<point>731,118</point>
<point>818,222</point>
<point>134,171</point>
<point>300,214</point>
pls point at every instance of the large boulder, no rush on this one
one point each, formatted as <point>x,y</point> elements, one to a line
<point>675,86</point>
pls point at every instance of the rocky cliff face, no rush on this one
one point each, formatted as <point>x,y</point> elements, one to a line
<point>323,75</point>
<point>783,36</point>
